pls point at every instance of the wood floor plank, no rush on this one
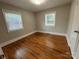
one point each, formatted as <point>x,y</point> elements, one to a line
<point>39,46</point>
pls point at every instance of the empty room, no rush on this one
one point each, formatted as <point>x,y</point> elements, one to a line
<point>39,29</point>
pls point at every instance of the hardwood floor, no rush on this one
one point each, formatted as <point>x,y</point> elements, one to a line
<point>39,46</point>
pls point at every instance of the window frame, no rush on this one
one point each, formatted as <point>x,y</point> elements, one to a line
<point>46,23</point>
<point>13,12</point>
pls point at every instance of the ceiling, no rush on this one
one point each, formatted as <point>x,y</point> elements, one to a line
<point>26,4</point>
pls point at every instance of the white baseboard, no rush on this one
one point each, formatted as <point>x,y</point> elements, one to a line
<point>52,33</point>
<point>69,43</point>
<point>18,38</point>
<point>13,40</point>
<point>68,40</point>
<point>61,35</point>
<point>58,34</point>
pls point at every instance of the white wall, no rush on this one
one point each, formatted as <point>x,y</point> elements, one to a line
<point>73,25</point>
<point>62,18</point>
<point>71,21</point>
<point>28,19</point>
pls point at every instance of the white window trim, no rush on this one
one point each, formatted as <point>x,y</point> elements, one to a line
<point>46,24</point>
<point>14,12</point>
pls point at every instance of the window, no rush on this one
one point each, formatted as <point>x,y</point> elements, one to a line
<point>13,20</point>
<point>50,19</point>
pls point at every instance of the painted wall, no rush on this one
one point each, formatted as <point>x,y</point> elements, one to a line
<point>62,18</point>
<point>28,19</point>
<point>30,24</point>
<point>73,26</point>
